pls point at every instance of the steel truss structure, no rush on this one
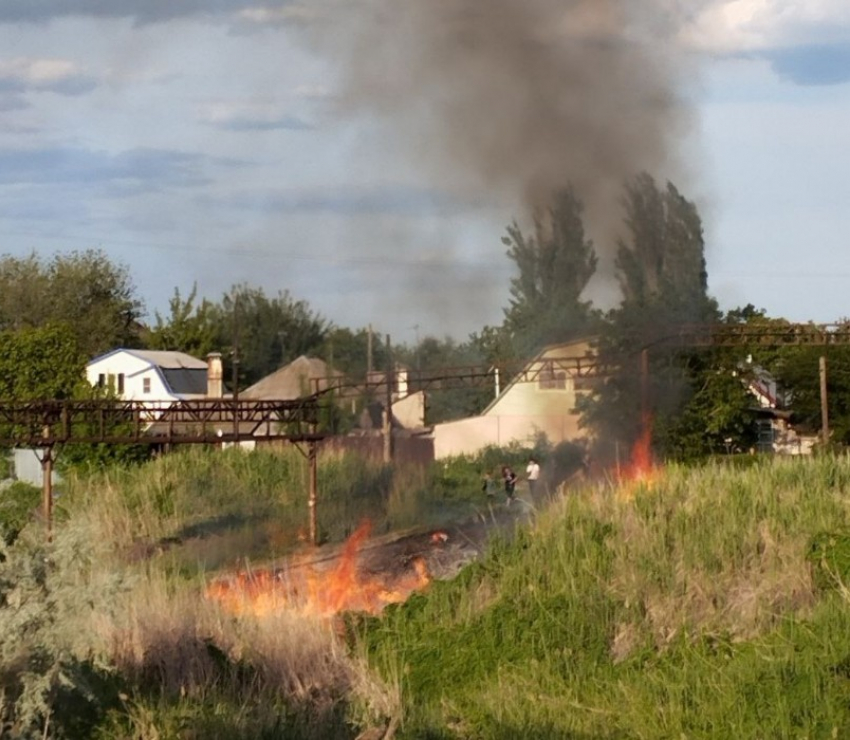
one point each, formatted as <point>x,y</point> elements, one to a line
<point>203,421</point>
<point>591,366</point>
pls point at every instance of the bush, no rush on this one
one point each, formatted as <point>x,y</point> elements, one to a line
<point>18,502</point>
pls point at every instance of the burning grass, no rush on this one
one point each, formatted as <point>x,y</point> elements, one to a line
<point>688,608</point>
<point>325,590</point>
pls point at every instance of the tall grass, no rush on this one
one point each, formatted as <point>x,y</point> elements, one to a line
<point>202,510</point>
<point>684,609</point>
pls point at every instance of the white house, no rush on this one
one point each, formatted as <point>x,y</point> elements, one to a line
<point>156,376</point>
<point>541,400</point>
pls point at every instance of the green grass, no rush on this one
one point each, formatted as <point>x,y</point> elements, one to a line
<point>687,609</point>
<point>713,603</point>
<point>202,510</point>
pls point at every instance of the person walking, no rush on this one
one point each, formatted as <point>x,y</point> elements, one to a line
<point>488,486</point>
<point>532,474</point>
<point>510,483</point>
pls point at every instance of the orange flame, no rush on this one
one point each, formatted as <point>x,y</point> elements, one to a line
<point>641,467</point>
<point>307,589</point>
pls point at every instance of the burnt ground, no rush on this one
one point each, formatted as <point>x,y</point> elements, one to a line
<point>445,550</point>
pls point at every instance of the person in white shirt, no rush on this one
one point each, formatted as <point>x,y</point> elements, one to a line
<point>532,474</point>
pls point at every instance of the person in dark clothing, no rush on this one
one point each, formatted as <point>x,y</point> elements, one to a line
<point>510,483</point>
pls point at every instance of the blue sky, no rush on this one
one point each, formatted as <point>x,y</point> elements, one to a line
<point>199,141</point>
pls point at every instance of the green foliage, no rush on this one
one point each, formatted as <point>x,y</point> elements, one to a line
<point>718,416</point>
<point>49,684</point>
<point>661,269</point>
<point>797,371</point>
<point>555,266</point>
<point>829,555</point>
<point>17,503</point>
<point>94,297</point>
<point>41,363</point>
<point>348,351</point>
<point>190,326</point>
<point>685,611</point>
<point>433,357</point>
<point>269,332</point>
<point>664,259</point>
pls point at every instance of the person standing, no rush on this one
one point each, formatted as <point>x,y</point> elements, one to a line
<point>532,474</point>
<point>488,486</point>
<point>510,483</point>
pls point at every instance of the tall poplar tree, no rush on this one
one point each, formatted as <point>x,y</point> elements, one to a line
<point>555,264</point>
<point>661,269</point>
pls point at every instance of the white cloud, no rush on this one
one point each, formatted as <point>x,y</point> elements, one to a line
<point>275,16</point>
<point>252,116</point>
<point>730,26</point>
<point>54,75</point>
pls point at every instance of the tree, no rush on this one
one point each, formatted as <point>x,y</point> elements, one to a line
<point>662,273</point>
<point>266,332</point>
<point>797,372</point>
<point>46,363</point>
<point>85,290</point>
<point>663,263</point>
<point>189,328</point>
<point>348,351</point>
<point>447,400</point>
<point>41,363</point>
<point>555,266</point>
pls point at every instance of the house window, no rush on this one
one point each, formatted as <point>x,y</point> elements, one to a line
<point>120,383</point>
<point>551,379</point>
<point>146,385</point>
<point>101,380</point>
<point>583,383</point>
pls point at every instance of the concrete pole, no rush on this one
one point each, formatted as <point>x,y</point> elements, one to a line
<point>824,406</point>
<point>314,493</point>
<point>47,489</point>
<point>388,402</point>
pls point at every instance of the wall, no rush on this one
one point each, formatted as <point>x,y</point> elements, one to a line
<point>468,436</point>
<point>406,450</point>
<point>134,370</point>
<point>523,411</point>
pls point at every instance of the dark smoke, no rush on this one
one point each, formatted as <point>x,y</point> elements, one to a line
<point>513,99</point>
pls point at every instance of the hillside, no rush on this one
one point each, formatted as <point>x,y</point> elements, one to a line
<point>700,603</point>
<point>708,603</point>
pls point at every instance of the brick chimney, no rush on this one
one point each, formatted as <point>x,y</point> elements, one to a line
<point>215,376</point>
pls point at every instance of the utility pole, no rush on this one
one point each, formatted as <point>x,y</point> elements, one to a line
<point>369,353</point>
<point>824,406</point>
<point>388,415</point>
<point>47,483</point>
<point>313,495</point>
<point>235,367</point>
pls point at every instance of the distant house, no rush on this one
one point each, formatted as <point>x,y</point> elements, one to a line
<point>308,375</point>
<point>541,400</point>
<point>773,418</point>
<point>156,376</point>
<point>301,377</point>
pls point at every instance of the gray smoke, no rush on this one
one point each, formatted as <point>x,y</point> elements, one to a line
<point>513,99</point>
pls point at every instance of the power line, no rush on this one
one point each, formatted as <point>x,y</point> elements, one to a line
<point>331,259</point>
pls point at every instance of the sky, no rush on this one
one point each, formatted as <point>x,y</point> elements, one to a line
<point>291,147</point>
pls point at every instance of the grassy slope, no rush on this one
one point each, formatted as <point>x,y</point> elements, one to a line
<point>684,610</point>
<point>699,608</point>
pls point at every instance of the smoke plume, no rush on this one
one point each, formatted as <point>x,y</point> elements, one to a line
<point>513,99</point>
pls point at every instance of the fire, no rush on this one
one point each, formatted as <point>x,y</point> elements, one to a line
<point>325,593</point>
<point>641,467</point>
